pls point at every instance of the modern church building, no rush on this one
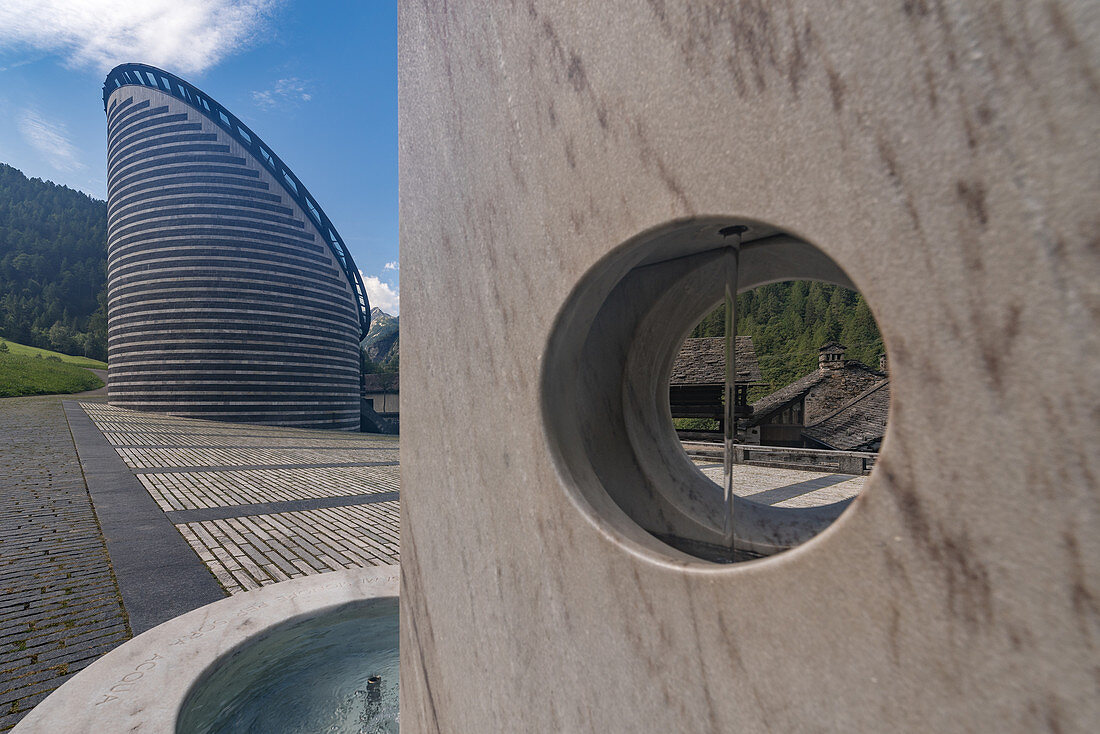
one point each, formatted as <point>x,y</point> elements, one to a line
<point>230,294</point>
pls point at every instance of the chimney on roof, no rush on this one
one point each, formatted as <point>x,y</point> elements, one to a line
<point>830,356</point>
<point>882,366</point>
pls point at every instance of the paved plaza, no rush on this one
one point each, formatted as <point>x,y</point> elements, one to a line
<point>262,504</point>
<point>59,606</point>
<point>112,521</point>
<point>786,487</point>
<point>85,565</point>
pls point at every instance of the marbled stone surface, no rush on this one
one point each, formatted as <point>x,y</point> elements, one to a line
<point>945,155</point>
<point>140,686</point>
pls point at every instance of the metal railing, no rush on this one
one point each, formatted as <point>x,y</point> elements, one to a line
<point>781,457</point>
<point>154,78</point>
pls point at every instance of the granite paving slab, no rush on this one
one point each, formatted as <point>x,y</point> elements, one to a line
<point>198,489</point>
<point>112,521</point>
<point>786,487</point>
<point>251,551</point>
<point>60,607</point>
<point>262,504</point>
<point>159,576</point>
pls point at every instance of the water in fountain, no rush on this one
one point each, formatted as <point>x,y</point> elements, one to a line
<point>336,673</point>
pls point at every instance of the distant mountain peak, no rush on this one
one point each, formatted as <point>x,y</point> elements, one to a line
<point>381,343</point>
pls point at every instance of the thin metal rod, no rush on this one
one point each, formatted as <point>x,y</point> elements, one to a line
<point>729,422</point>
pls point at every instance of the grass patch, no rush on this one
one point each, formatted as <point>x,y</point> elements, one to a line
<point>696,424</point>
<point>24,350</point>
<point>24,375</point>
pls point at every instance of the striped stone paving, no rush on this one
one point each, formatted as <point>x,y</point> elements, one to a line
<point>192,490</point>
<point>208,456</point>
<point>254,550</point>
<point>786,487</point>
<point>218,483</point>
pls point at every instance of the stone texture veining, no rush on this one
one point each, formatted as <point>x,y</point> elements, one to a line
<point>944,154</point>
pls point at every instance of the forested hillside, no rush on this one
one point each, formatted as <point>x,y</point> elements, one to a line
<point>789,321</point>
<point>53,266</point>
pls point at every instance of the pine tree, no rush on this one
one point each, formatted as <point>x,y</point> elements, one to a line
<point>53,265</point>
<point>789,321</point>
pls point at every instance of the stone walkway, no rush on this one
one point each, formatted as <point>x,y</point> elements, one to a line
<point>786,487</point>
<point>255,504</point>
<point>59,605</point>
<point>262,504</point>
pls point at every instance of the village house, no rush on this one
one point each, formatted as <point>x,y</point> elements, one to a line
<point>380,405</point>
<point>856,426</point>
<point>840,405</point>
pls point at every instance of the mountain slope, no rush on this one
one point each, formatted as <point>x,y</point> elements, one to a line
<point>381,345</point>
<point>53,266</point>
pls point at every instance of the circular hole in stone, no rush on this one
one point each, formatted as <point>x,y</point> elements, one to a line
<point>765,474</point>
<point>808,398</point>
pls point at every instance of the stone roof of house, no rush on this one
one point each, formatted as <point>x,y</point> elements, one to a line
<point>837,385</point>
<point>768,404</point>
<point>381,383</point>
<point>702,361</point>
<point>859,422</point>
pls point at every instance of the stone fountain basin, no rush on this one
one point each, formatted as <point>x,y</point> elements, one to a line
<point>143,685</point>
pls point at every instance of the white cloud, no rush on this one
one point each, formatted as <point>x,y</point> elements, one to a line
<point>16,65</point>
<point>381,294</point>
<point>51,140</point>
<point>285,90</point>
<point>392,266</point>
<point>185,36</point>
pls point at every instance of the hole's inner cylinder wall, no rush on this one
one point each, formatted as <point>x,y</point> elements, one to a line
<point>605,387</point>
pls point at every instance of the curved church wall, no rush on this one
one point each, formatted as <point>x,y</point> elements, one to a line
<point>224,302</point>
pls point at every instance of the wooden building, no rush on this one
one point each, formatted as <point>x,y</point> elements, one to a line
<point>698,380</point>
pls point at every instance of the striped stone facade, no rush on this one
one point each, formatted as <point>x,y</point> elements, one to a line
<point>224,302</point>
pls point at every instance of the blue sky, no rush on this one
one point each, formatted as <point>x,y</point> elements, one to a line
<point>316,80</point>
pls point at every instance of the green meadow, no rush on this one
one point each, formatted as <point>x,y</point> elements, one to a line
<point>24,350</point>
<point>32,371</point>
